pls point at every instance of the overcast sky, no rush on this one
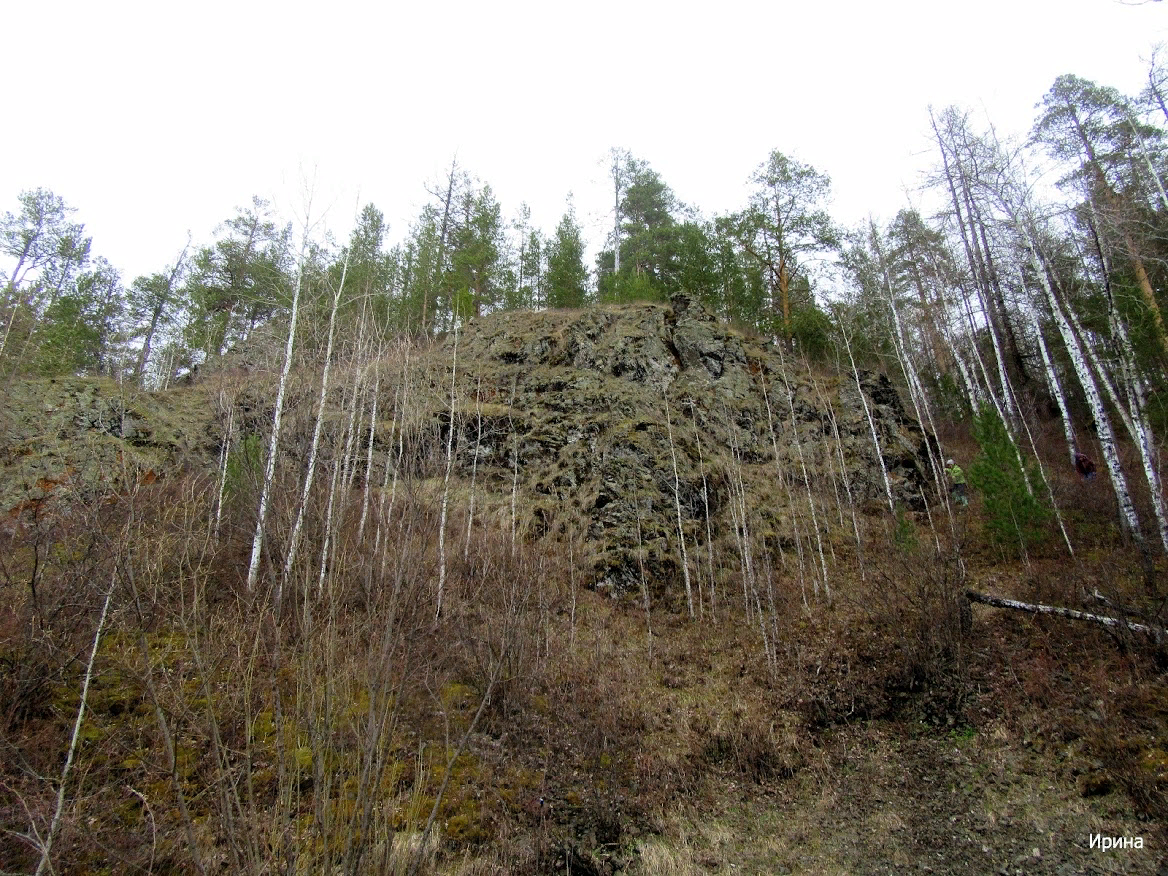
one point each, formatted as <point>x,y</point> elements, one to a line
<point>155,119</point>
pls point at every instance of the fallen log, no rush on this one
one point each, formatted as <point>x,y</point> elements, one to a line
<point>1157,633</point>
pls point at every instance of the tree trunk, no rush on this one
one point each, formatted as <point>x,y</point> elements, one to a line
<point>1055,388</point>
<point>1157,633</point>
<point>438,263</point>
<point>257,542</point>
<point>1090,390</point>
<point>1111,199</point>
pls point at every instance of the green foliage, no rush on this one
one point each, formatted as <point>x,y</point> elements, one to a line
<point>478,267</point>
<point>77,332</point>
<point>370,275</point>
<point>1014,517</point>
<point>567,278</point>
<point>45,255</point>
<point>529,287</point>
<point>634,286</point>
<point>240,281</point>
<point>652,241</point>
<point>245,464</point>
<point>905,534</point>
<point>785,225</point>
<point>152,304</point>
<point>813,332</point>
<point>41,239</point>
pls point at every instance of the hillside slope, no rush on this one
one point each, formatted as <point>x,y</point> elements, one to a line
<point>485,658</point>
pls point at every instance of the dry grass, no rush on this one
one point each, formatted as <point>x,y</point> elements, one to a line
<point>533,726</point>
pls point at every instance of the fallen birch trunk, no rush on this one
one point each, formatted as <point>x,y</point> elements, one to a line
<point>1157,633</point>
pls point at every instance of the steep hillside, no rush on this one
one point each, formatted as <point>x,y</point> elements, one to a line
<point>609,423</point>
<point>619,590</point>
<point>618,421</point>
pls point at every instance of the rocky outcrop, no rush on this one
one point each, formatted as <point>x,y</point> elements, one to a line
<point>607,422</point>
<point>616,416</point>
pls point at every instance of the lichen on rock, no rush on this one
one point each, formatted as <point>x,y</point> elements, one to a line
<point>596,398</point>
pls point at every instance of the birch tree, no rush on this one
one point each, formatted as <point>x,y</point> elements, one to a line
<point>1089,126</point>
<point>1016,203</point>
<point>257,543</point>
<point>310,468</point>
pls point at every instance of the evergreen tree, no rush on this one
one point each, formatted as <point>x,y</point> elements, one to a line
<point>1015,516</point>
<point>153,305</point>
<point>531,290</point>
<point>370,277</point>
<point>785,224</point>
<point>47,252</point>
<point>741,293</point>
<point>479,272</point>
<point>1108,155</point>
<point>567,277</point>
<point>239,281</point>
<point>651,240</point>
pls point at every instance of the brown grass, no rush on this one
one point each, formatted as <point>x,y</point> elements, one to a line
<point>532,719</point>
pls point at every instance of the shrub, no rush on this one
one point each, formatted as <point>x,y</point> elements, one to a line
<point>1014,515</point>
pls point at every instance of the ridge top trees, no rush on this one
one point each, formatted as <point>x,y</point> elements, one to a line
<point>785,223</point>
<point>1090,128</point>
<point>47,251</point>
<point>240,280</point>
<point>646,263</point>
<point>567,277</point>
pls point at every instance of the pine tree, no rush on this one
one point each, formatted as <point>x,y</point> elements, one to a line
<point>567,277</point>
<point>1015,516</point>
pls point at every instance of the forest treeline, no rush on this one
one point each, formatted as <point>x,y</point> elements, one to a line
<point>1035,289</point>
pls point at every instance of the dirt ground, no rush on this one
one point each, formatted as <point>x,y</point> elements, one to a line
<point>882,800</point>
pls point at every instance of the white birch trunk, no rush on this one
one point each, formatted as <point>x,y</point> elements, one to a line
<point>74,739</point>
<point>915,390</point>
<point>709,532</point>
<point>806,480</point>
<point>1148,162</point>
<point>383,516</point>
<point>839,446</point>
<point>446,482</point>
<point>257,542</point>
<point>297,528</point>
<point>641,567</point>
<point>1055,387</point>
<point>782,478</point>
<point>369,455</point>
<point>973,391</point>
<point>348,469</point>
<point>871,425</point>
<point>474,468</point>
<point>326,548</point>
<point>1134,418</point>
<point>514,467</point>
<point>739,523</point>
<point>977,357</point>
<point>1003,377</point>
<point>224,455</point>
<point>677,506</point>
<point>1145,441</point>
<point>998,405</point>
<point>1090,390</point>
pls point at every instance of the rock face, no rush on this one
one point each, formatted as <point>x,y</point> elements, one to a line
<point>617,427</point>
<point>618,420</point>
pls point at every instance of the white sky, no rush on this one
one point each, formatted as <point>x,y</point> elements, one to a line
<point>154,119</point>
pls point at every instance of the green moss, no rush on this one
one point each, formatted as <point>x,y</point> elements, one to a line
<point>302,758</point>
